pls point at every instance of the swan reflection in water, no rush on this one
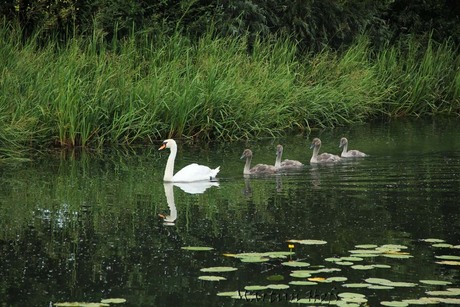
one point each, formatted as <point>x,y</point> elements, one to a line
<point>197,187</point>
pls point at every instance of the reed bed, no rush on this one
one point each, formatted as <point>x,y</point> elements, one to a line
<point>90,92</point>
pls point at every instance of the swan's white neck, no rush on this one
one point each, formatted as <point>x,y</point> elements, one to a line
<point>169,170</point>
<point>247,166</point>
<point>315,154</point>
<point>278,159</point>
<point>345,149</point>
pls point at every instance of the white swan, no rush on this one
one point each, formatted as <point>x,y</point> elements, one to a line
<point>259,168</point>
<point>190,173</point>
<point>349,153</point>
<point>324,157</point>
<point>286,164</point>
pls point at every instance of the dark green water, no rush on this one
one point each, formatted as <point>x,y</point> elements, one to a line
<point>86,227</point>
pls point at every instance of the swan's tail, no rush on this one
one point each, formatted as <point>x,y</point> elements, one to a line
<point>214,173</point>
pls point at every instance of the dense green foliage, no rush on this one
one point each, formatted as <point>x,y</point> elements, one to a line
<point>77,73</point>
<point>314,24</point>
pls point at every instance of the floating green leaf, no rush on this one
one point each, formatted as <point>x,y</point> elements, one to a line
<point>333,259</point>
<point>228,293</point>
<point>380,287</point>
<point>362,267</point>
<point>296,264</point>
<point>432,240</point>
<point>366,246</point>
<point>369,255</point>
<point>443,293</point>
<point>394,303</point>
<point>352,259</point>
<point>382,266</point>
<point>197,248</point>
<point>302,283</point>
<point>350,295</point>
<point>435,282</point>
<point>255,288</point>
<point>391,247</point>
<point>422,301</point>
<point>442,245</point>
<point>278,286</point>
<point>113,301</point>
<point>219,269</point>
<point>211,278</point>
<point>386,282</point>
<point>254,259</point>
<point>448,257</point>
<point>301,274</point>
<point>448,262</point>
<point>337,279</point>
<point>344,263</point>
<point>365,251</point>
<point>397,256</point>
<point>279,254</point>
<point>356,285</point>
<point>449,301</point>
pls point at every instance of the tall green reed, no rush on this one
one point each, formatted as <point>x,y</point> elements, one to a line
<point>425,77</point>
<point>91,92</point>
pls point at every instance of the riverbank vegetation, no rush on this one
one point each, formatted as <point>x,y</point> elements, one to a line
<point>133,85</point>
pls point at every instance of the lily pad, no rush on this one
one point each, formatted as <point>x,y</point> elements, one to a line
<point>296,264</point>
<point>211,278</point>
<point>386,282</point>
<point>391,247</point>
<point>365,251</point>
<point>302,283</point>
<point>113,301</point>
<point>337,279</point>
<point>442,245</point>
<point>352,259</point>
<point>300,274</point>
<point>448,262</point>
<point>197,248</point>
<point>432,240</point>
<point>219,269</point>
<point>344,263</point>
<point>448,257</point>
<point>422,301</point>
<point>255,288</point>
<point>254,259</point>
<point>380,287</point>
<point>394,303</point>
<point>350,295</point>
<point>366,246</point>
<point>278,286</point>
<point>356,285</point>
<point>228,293</point>
<point>435,282</point>
<point>442,293</point>
<point>363,267</point>
<point>279,254</point>
<point>382,266</point>
<point>398,256</point>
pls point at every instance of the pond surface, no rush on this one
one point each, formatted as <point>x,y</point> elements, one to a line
<point>90,226</point>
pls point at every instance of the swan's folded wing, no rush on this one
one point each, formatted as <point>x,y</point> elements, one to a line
<point>195,172</point>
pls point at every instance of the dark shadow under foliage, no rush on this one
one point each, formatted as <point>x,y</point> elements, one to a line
<point>314,25</point>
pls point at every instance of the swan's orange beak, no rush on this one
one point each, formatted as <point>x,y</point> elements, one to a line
<point>162,147</point>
